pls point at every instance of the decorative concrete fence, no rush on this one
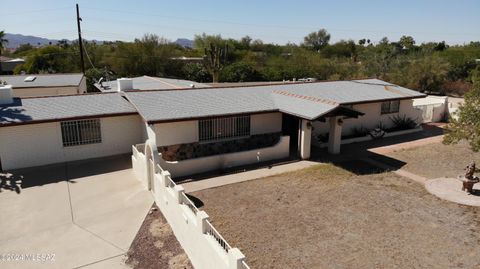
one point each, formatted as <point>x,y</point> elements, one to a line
<point>203,244</point>
<point>228,160</point>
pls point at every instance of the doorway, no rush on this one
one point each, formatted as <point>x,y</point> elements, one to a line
<point>290,127</point>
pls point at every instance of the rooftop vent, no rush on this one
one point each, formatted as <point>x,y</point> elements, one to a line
<point>124,84</point>
<point>6,94</point>
<point>30,78</point>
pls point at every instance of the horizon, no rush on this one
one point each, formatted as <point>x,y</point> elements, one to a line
<point>271,22</point>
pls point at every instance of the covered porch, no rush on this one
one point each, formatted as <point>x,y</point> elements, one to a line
<point>300,130</point>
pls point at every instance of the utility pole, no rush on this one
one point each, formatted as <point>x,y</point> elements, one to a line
<point>80,42</point>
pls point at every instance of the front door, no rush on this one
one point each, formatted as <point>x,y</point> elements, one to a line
<point>290,127</point>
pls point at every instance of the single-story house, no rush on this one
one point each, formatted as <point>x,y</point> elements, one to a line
<point>35,85</point>
<point>44,130</point>
<point>7,65</point>
<point>146,83</point>
<point>196,130</point>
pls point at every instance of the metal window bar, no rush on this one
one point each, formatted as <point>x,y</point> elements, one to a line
<point>81,132</point>
<point>224,128</point>
<point>216,235</point>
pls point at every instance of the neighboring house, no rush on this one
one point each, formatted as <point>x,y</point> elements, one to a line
<point>148,83</point>
<point>8,64</point>
<point>35,85</point>
<point>44,130</point>
<point>191,131</point>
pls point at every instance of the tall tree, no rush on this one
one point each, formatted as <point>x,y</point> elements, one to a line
<point>407,42</point>
<point>215,53</point>
<point>3,42</point>
<point>467,125</point>
<point>317,40</point>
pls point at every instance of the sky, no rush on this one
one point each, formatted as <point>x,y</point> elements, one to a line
<point>280,22</point>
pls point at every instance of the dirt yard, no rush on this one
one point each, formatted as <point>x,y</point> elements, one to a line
<point>437,160</point>
<point>326,217</point>
<point>155,246</point>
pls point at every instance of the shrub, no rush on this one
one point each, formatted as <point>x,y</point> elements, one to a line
<point>403,123</point>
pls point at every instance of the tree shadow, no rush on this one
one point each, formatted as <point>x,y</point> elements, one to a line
<point>196,201</point>
<point>11,113</point>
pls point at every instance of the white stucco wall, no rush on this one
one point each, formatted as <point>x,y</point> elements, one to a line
<point>371,118</point>
<point>182,132</point>
<point>40,144</point>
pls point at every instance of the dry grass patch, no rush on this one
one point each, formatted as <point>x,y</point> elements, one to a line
<point>327,217</point>
<point>437,160</point>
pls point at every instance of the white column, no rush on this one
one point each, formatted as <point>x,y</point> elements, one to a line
<point>305,138</point>
<point>335,135</point>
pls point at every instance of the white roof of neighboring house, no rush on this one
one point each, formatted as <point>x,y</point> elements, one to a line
<point>306,100</point>
<point>430,100</point>
<point>43,80</point>
<point>151,83</point>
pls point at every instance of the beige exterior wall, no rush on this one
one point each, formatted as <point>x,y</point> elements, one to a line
<point>371,118</point>
<point>45,91</point>
<point>182,132</point>
<point>40,144</point>
<point>266,123</point>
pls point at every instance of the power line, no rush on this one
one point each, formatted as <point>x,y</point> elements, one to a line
<point>34,11</point>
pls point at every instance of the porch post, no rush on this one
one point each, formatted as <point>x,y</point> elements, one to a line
<point>305,138</point>
<point>335,135</point>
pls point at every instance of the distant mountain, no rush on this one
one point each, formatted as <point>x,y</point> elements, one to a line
<point>15,40</point>
<point>184,42</point>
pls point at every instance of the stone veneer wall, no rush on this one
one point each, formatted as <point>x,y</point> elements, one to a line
<point>181,152</point>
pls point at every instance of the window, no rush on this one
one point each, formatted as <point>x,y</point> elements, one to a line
<point>390,107</point>
<point>223,128</point>
<point>81,132</point>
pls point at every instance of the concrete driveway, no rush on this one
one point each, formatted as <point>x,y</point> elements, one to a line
<point>84,213</point>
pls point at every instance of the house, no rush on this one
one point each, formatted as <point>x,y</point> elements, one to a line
<point>46,84</point>
<point>7,65</point>
<point>44,130</point>
<point>147,83</point>
<point>195,130</point>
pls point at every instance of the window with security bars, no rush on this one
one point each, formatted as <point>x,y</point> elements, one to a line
<point>223,128</point>
<point>390,107</point>
<point>81,132</point>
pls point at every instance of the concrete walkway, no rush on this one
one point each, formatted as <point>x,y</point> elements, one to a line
<point>450,189</point>
<point>86,214</point>
<point>245,176</point>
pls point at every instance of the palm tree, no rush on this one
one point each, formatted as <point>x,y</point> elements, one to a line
<point>3,41</point>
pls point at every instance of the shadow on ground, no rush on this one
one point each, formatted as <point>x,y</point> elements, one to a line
<point>47,174</point>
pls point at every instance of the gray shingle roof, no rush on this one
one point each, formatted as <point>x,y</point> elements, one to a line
<point>43,80</point>
<point>30,110</point>
<point>152,83</point>
<point>308,100</point>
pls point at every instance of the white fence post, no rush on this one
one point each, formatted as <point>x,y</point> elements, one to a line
<point>179,190</point>
<point>165,177</point>
<point>202,218</point>
<point>235,258</point>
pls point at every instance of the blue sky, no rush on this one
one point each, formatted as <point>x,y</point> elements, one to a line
<point>272,21</point>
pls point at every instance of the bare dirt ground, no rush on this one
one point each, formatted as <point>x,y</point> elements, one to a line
<point>327,217</point>
<point>155,246</point>
<point>437,160</point>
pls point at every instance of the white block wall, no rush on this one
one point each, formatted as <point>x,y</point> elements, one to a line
<point>41,144</point>
<point>183,132</point>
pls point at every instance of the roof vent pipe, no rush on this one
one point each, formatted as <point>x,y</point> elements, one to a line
<point>6,94</point>
<point>124,84</point>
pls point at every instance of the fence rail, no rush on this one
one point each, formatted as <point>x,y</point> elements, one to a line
<point>186,201</point>
<point>216,235</point>
<point>245,265</point>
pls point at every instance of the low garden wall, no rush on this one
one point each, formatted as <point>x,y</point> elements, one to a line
<point>223,161</point>
<point>203,244</point>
